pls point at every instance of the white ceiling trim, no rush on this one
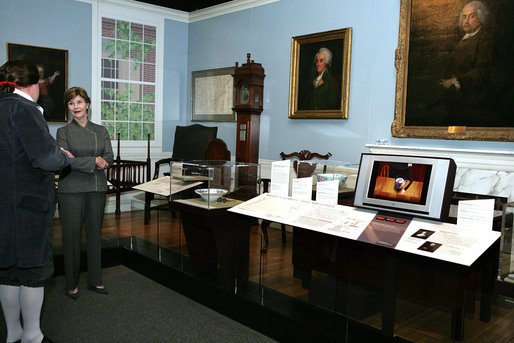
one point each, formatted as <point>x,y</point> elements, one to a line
<point>225,8</point>
<point>164,12</point>
<point>167,13</point>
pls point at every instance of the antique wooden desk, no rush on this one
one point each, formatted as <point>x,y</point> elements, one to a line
<point>218,243</point>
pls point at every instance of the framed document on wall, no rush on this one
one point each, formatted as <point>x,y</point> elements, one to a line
<point>212,95</point>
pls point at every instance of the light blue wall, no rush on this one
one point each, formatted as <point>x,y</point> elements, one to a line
<point>266,32</point>
<point>59,24</point>
<point>175,96</point>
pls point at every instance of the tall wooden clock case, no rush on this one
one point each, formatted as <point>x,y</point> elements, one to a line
<point>249,86</point>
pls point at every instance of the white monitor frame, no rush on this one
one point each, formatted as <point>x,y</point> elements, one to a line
<point>438,195</point>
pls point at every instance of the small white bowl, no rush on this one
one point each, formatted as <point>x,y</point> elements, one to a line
<point>330,177</point>
<point>210,195</point>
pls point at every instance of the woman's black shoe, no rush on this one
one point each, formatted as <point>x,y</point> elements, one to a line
<point>97,290</point>
<point>73,296</point>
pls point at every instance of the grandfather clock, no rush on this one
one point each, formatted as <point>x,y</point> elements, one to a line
<point>249,85</point>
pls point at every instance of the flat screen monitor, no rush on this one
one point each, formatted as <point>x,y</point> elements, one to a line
<point>412,185</point>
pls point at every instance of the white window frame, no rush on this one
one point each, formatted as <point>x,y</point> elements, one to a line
<point>131,149</point>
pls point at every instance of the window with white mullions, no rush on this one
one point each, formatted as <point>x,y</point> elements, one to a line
<point>128,79</point>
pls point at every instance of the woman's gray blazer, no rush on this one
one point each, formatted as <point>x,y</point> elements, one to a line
<point>85,143</point>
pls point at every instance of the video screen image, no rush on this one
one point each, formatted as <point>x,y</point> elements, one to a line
<point>398,181</point>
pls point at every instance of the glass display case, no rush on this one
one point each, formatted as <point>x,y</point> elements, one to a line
<point>160,239</point>
<point>321,171</point>
<point>506,263</point>
<point>344,172</point>
<point>214,184</point>
<point>217,240</point>
<point>315,277</point>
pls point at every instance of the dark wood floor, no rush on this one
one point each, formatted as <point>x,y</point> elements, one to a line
<point>415,321</point>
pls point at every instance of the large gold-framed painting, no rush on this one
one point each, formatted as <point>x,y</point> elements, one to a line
<point>319,85</point>
<point>52,65</point>
<point>455,70</point>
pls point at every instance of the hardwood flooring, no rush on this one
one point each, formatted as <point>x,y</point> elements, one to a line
<point>415,321</point>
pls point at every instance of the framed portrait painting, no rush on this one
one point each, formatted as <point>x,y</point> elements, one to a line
<point>455,76</point>
<point>319,85</point>
<point>212,95</point>
<point>52,65</point>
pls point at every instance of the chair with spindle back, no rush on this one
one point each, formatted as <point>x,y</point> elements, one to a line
<point>123,175</point>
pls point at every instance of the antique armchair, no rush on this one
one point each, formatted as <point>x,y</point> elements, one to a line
<point>190,143</point>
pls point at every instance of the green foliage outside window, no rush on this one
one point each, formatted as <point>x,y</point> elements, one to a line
<point>107,110</point>
<point>122,111</point>
<point>149,128</point>
<point>125,109</point>
<point>123,130</point>
<point>135,131</point>
<point>110,128</point>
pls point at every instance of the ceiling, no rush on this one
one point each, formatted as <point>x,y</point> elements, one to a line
<point>185,5</point>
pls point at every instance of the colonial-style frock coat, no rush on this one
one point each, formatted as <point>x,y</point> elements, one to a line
<point>325,95</point>
<point>29,158</point>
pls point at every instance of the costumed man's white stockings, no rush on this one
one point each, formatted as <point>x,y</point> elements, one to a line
<point>26,301</point>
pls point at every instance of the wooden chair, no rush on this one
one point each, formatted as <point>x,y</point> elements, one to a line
<point>384,171</point>
<point>123,175</point>
<point>217,150</point>
<point>301,170</point>
<point>190,144</point>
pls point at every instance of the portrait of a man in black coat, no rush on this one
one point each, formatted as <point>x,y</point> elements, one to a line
<point>460,67</point>
<point>466,81</point>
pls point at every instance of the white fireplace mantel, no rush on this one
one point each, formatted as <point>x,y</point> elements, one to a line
<point>478,171</point>
<point>464,158</point>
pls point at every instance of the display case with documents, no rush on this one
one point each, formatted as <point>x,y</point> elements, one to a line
<point>309,179</point>
<point>213,184</point>
<point>506,262</point>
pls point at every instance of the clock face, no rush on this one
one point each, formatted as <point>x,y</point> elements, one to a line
<point>244,94</point>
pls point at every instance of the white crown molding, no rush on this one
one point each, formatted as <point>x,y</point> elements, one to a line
<point>464,158</point>
<point>164,12</point>
<point>206,13</point>
<point>226,8</point>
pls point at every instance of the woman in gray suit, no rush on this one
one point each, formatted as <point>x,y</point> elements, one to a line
<point>81,191</point>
